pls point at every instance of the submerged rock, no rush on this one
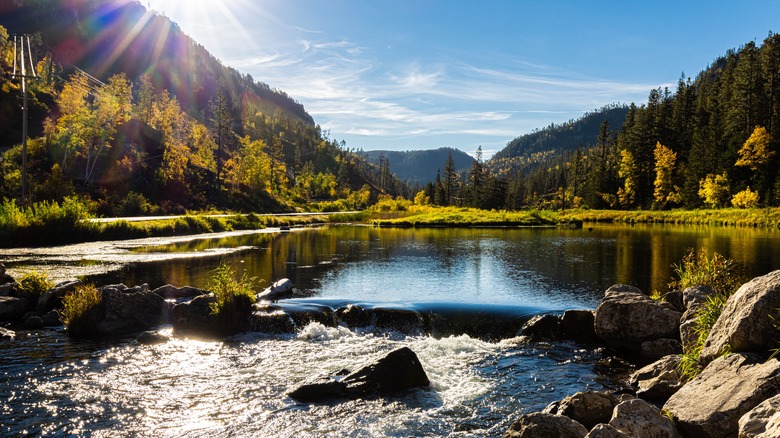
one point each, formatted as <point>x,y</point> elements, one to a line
<point>354,316</point>
<point>398,371</point>
<point>541,425</point>
<point>712,403</point>
<point>12,308</point>
<point>402,320</point>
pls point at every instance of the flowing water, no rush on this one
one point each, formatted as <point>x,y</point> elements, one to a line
<point>53,385</point>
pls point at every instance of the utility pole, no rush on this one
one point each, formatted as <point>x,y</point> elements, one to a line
<point>23,76</point>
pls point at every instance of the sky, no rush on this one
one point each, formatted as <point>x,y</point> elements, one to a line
<point>423,74</point>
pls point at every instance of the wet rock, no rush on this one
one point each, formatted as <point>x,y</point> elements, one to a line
<point>304,314</point>
<point>605,431</point>
<point>32,322</point>
<point>272,321</point>
<point>626,318</point>
<point>588,408</point>
<point>402,320</point>
<point>542,328</point>
<point>354,316</point>
<point>712,403</point>
<point>398,371</point>
<point>12,308</point>
<point>194,317</point>
<point>659,380</point>
<point>6,334</point>
<point>151,338</point>
<point>578,325</point>
<point>763,421</point>
<point>130,310</point>
<point>541,425</point>
<point>52,298</point>
<point>746,323</point>
<point>51,319</point>
<point>639,419</point>
<point>656,349</point>
<point>170,292</point>
<point>277,291</point>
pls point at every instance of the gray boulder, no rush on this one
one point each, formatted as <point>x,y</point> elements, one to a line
<point>712,403</point>
<point>746,323</point>
<point>588,408</point>
<point>279,290</point>
<point>12,308</point>
<point>763,421</point>
<point>398,371</point>
<point>639,419</point>
<point>51,319</point>
<point>605,431</point>
<point>132,310</point>
<point>626,318</point>
<point>695,296</point>
<point>659,380</point>
<point>541,425</point>
<point>52,298</point>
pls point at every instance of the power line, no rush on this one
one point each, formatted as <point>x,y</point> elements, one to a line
<point>23,76</point>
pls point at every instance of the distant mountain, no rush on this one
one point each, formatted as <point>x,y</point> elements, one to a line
<point>530,151</point>
<point>420,167</point>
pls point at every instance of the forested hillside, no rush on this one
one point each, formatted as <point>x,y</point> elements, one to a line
<point>137,116</point>
<point>418,167</point>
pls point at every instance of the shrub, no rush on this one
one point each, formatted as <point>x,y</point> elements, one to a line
<point>745,199</point>
<point>79,310</point>
<point>233,298</point>
<point>33,284</point>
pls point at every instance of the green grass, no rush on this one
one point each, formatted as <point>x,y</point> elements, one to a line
<point>428,216</point>
<point>33,284</point>
<point>233,299</point>
<point>755,217</point>
<point>79,311</point>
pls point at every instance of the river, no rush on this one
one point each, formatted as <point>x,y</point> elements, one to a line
<point>54,385</point>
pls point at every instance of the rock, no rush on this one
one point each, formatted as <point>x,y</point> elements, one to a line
<point>745,324</point>
<point>353,316</point>
<point>402,320</point>
<point>52,298</point>
<point>542,328</point>
<point>398,371</point>
<point>272,321</point>
<point>659,380</point>
<point>605,431</point>
<point>132,310</point>
<point>620,288</point>
<point>695,296</point>
<point>626,318</point>
<point>578,325</point>
<point>6,334</point>
<point>763,421</point>
<point>277,291</point>
<point>688,336</point>
<point>588,408</point>
<point>639,419</point>
<point>51,319</point>
<point>8,289</point>
<point>541,425</point>
<point>654,350</point>
<point>712,403</point>
<point>169,292</point>
<point>675,298</point>
<point>303,314</point>
<point>151,338</point>
<point>194,317</point>
<point>5,278</point>
<point>32,322</point>
<point>12,308</point>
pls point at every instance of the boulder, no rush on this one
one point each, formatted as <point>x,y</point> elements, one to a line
<point>6,334</point>
<point>194,317</point>
<point>712,403</point>
<point>398,371</point>
<point>626,318</point>
<point>130,310</point>
<point>353,316</point>
<point>170,292</point>
<point>12,308</point>
<point>605,431</point>
<point>763,421</point>
<point>5,278</point>
<point>541,425</point>
<point>675,298</point>
<point>688,336</point>
<point>542,328</point>
<point>656,349</point>
<point>52,298</point>
<point>659,380</point>
<point>51,319</point>
<point>402,320</point>
<point>577,325</point>
<point>639,419</point>
<point>281,289</point>
<point>272,321</point>
<point>32,322</point>
<point>746,323</point>
<point>8,289</point>
<point>695,296</point>
<point>588,408</point>
<point>303,314</point>
<point>151,338</point>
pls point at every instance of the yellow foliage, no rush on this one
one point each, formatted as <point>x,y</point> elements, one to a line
<point>755,152</point>
<point>745,199</point>
<point>714,190</point>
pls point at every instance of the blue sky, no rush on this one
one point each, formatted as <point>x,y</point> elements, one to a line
<point>423,74</point>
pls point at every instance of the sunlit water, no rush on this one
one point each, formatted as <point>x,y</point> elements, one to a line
<point>53,385</point>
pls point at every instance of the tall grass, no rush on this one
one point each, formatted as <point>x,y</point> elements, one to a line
<point>79,310</point>
<point>233,299</point>
<point>33,284</point>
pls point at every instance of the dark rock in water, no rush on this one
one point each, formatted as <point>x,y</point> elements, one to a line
<point>195,317</point>
<point>51,319</point>
<point>402,320</point>
<point>277,291</point>
<point>578,325</point>
<point>169,291</point>
<point>354,316</point>
<point>6,334</point>
<point>588,408</point>
<point>272,321</point>
<point>52,298</point>
<point>130,310</point>
<point>151,338</point>
<point>658,348</point>
<point>747,322</point>
<point>12,308</point>
<point>541,425</point>
<point>8,289</point>
<point>303,314</point>
<point>32,322</point>
<point>542,328</point>
<point>398,371</point>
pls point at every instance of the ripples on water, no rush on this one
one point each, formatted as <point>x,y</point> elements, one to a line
<point>55,385</point>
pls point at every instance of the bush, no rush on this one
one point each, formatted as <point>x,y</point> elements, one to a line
<point>233,299</point>
<point>745,199</point>
<point>33,284</point>
<point>79,310</point>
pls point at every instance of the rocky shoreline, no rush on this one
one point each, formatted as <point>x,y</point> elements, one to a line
<point>735,394</point>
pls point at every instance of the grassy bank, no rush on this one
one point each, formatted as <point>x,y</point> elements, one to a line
<point>756,217</point>
<point>52,223</point>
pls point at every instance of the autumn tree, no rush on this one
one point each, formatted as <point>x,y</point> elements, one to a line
<point>665,189</point>
<point>627,171</point>
<point>755,152</point>
<point>714,190</point>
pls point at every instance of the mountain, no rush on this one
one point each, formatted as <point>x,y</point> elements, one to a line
<point>531,151</point>
<point>419,167</point>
